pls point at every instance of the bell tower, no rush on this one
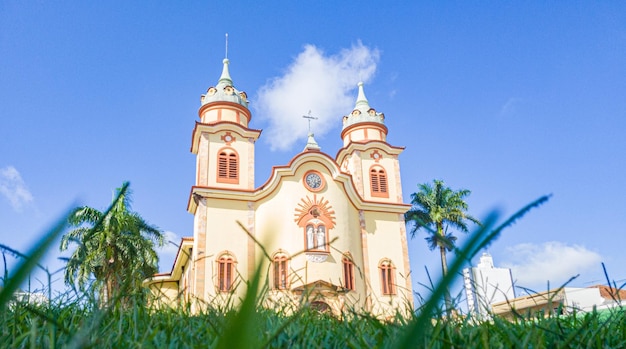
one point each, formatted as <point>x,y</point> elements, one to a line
<point>367,156</point>
<point>224,148</point>
<point>222,141</point>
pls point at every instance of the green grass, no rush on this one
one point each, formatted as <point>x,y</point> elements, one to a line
<point>76,325</point>
<point>77,320</point>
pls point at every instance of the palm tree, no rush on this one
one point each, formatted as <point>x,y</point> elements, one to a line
<point>435,209</point>
<point>115,248</point>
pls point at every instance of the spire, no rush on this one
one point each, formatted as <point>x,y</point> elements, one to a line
<point>361,100</point>
<point>362,111</point>
<point>311,144</point>
<point>225,90</point>
<point>225,78</point>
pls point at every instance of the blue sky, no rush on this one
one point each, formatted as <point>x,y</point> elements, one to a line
<point>510,100</point>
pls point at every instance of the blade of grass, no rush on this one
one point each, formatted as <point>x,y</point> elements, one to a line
<point>31,260</point>
<point>479,239</point>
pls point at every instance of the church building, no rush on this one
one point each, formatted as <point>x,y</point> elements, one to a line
<point>329,228</point>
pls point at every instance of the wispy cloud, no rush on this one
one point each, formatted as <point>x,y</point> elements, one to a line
<point>323,84</point>
<point>533,265</point>
<point>171,243</point>
<point>12,186</point>
<point>167,253</point>
<point>511,106</point>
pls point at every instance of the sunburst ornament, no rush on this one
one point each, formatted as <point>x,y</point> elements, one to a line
<point>309,209</point>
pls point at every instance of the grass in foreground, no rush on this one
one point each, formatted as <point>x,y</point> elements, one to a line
<point>80,322</point>
<point>76,326</point>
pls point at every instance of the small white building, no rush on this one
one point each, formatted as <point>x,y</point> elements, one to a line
<point>486,285</point>
<point>565,300</point>
<point>35,298</point>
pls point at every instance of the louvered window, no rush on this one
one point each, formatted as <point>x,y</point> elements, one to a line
<point>378,182</point>
<point>228,167</point>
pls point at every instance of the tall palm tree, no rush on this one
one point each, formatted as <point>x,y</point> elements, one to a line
<point>115,248</point>
<point>435,209</point>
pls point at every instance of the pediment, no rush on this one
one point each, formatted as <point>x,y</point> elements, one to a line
<point>320,287</point>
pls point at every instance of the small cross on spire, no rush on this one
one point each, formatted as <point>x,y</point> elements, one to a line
<point>310,117</point>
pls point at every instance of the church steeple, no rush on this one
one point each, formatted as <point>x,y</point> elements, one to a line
<point>225,78</point>
<point>361,100</point>
<point>225,90</point>
<point>224,102</point>
<point>222,140</point>
<point>364,124</point>
<point>366,155</point>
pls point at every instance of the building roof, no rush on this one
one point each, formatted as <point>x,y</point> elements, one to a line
<point>362,111</point>
<point>611,293</point>
<point>225,90</point>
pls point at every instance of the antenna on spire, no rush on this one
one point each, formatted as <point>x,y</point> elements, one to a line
<point>310,117</point>
<point>226,55</point>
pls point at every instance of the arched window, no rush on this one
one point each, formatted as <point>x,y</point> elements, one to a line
<point>348,272</point>
<point>281,272</point>
<point>228,166</point>
<point>387,277</point>
<point>316,236</point>
<point>225,273</point>
<point>378,182</point>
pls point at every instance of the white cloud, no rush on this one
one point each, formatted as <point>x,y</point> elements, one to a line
<point>533,265</point>
<point>167,253</point>
<point>12,186</point>
<point>172,240</point>
<point>324,84</point>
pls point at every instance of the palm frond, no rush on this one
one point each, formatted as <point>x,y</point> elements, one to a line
<point>115,248</point>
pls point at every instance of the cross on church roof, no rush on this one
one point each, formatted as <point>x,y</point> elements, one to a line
<point>310,117</point>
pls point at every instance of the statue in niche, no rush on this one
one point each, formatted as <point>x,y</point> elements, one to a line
<point>321,238</point>
<point>310,242</point>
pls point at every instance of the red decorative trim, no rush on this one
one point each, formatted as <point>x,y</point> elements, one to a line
<point>280,271</point>
<point>228,166</point>
<point>365,125</point>
<point>228,138</point>
<point>387,277</point>
<point>376,156</point>
<point>315,209</point>
<point>348,272</point>
<point>226,105</point>
<point>379,183</point>
<point>226,272</point>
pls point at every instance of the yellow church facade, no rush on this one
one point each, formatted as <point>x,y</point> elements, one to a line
<point>330,230</point>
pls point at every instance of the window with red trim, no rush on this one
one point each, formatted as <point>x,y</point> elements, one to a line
<point>378,182</point>
<point>228,166</point>
<point>226,273</point>
<point>387,277</point>
<point>348,273</point>
<point>281,270</point>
